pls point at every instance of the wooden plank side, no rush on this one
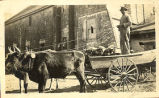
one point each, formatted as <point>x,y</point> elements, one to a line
<point>147,57</point>
<point>101,62</point>
<point>137,58</point>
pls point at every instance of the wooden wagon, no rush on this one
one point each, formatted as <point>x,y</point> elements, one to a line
<point>120,71</point>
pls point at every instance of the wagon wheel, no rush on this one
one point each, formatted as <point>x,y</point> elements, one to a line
<point>122,75</point>
<point>146,74</point>
<point>95,79</point>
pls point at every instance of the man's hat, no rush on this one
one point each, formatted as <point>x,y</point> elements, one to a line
<point>123,9</point>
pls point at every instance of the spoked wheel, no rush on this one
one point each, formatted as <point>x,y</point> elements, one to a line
<point>95,80</point>
<point>122,75</point>
<point>146,74</point>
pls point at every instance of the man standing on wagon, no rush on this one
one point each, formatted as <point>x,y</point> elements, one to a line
<point>124,28</point>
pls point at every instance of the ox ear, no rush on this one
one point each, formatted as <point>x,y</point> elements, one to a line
<point>32,55</point>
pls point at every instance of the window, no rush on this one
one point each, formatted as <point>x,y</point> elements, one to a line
<point>148,44</point>
<point>42,42</point>
<point>63,10</point>
<point>30,20</point>
<point>91,29</point>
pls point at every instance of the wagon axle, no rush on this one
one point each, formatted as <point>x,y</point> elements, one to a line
<point>123,75</point>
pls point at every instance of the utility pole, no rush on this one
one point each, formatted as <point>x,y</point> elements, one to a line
<point>136,14</point>
<point>20,38</point>
<point>143,13</point>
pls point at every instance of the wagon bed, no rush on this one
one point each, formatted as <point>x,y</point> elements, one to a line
<point>138,58</point>
<point>120,71</point>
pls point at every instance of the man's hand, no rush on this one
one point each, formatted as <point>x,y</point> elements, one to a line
<point>120,26</point>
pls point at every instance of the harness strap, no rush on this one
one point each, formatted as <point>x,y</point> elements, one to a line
<point>29,65</point>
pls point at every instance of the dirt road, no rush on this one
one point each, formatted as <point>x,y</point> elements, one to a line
<point>69,85</point>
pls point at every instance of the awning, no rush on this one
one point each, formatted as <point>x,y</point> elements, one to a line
<point>146,28</point>
<point>150,27</point>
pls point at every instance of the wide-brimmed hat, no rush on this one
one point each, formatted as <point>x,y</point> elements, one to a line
<point>123,9</point>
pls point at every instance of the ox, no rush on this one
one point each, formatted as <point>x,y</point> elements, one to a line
<point>13,61</point>
<point>43,65</point>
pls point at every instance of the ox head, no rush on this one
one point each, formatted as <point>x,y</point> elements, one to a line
<point>13,59</point>
<point>27,61</point>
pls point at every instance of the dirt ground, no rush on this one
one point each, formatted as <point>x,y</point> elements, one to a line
<point>69,85</point>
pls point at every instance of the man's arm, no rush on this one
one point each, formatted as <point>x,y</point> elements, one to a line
<point>129,22</point>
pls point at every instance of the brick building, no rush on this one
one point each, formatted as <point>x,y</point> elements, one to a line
<point>73,27</point>
<point>33,25</point>
<point>66,26</point>
<point>94,26</point>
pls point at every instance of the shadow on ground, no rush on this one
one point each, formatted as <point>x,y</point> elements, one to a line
<point>64,90</point>
<point>17,91</point>
<point>77,89</point>
<point>147,86</point>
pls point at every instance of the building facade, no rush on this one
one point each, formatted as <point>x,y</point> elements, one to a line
<point>60,26</point>
<point>94,26</point>
<point>143,37</point>
<point>65,27</point>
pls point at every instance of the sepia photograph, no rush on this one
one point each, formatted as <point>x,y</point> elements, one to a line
<point>80,49</point>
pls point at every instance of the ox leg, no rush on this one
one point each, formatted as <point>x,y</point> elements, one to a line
<point>43,78</point>
<point>57,84</point>
<point>41,86</point>
<point>26,78</point>
<point>20,85</point>
<point>25,87</point>
<point>80,76</point>
<point>50,84</point>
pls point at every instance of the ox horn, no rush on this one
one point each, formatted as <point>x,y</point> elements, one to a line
<point>27,49</point>
<point>17,48</point>
<point>13,49</point>
<point>9,48</point>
